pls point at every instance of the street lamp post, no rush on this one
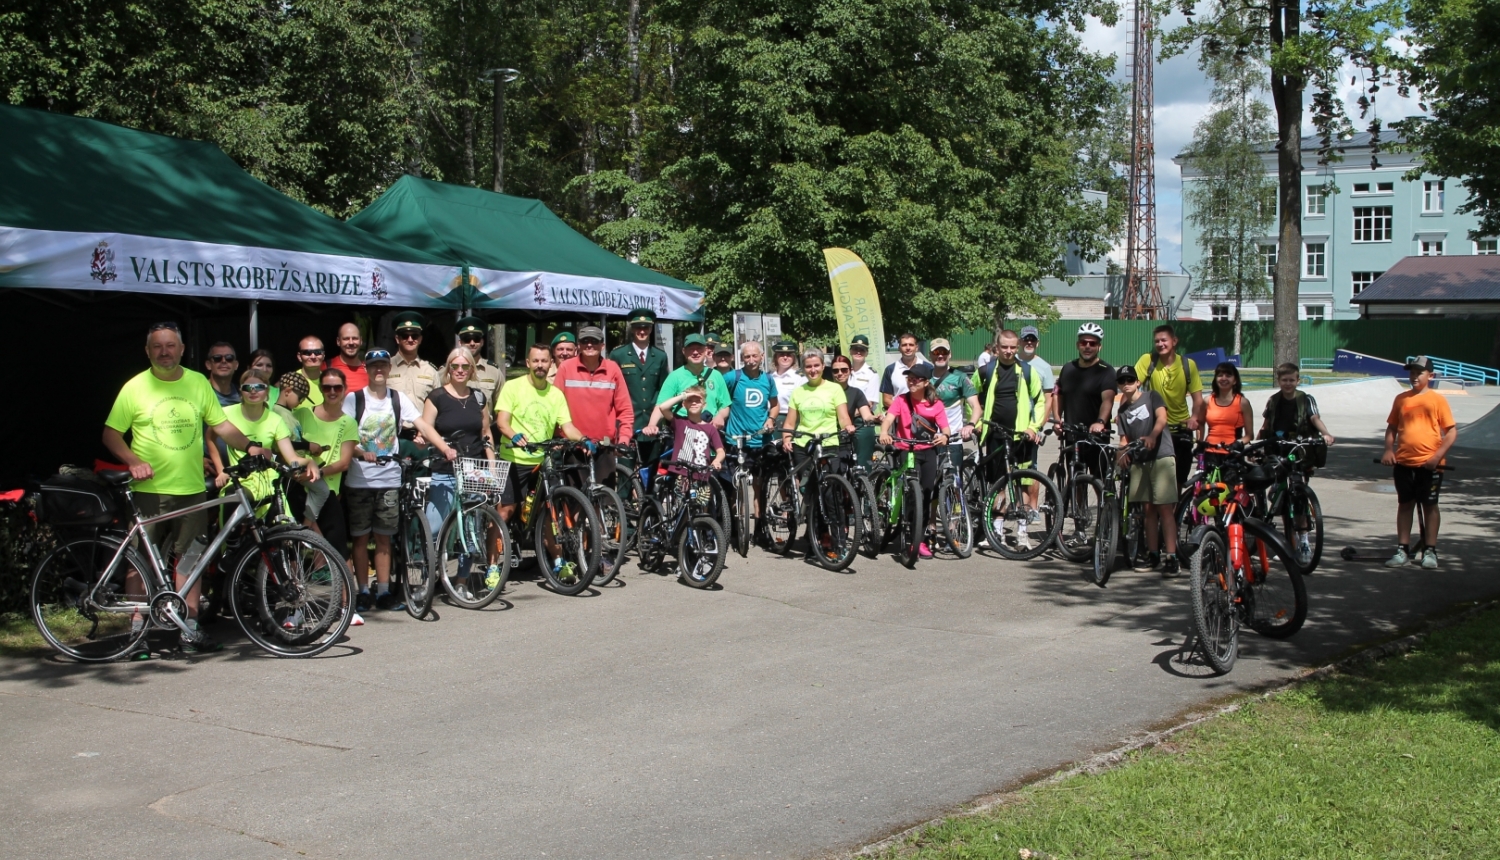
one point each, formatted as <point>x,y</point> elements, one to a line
<point>500,77</point>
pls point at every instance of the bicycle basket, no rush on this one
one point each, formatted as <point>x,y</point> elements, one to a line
<point>69,500</point>
<point>474,475</point>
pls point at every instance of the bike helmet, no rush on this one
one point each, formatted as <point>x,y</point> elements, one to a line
<point>1092,330</point>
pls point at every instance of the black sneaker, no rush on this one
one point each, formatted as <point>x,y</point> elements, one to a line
<point>1146,561</point>
<point>389,602</point>
<point>363,601</point>
<point>201,645</point>
<point>1169,567</point>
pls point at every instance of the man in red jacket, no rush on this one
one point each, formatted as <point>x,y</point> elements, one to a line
<point>595,390</point>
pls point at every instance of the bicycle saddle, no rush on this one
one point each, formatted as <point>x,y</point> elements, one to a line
<point>115,478</point>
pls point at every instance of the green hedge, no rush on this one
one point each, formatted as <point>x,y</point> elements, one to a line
<point>22,545</point>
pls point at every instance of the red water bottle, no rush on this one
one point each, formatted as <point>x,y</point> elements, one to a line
<point>1237,546</point>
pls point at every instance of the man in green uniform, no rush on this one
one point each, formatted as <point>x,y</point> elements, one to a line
<point>644,366</point>
<point>164,410</point>
<point>488,378</point>
<point>564,347</point>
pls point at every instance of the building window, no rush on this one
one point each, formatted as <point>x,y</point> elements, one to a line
<point>1312,312</point>
<point>1317,200</point>
<point>1360,280</point>
<point>1432,248</point>
<point>1486,247</point>
<point>1385,187</point>
<point>1265,310</point>
<point>1361,188</point>
<point>1432,196</point>
<point>1268,258</point>
<point>1220,313</point>
<point>1315,260</point>
<point>1372,223</point>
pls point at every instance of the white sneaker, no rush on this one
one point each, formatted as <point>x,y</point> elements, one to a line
<point>999,524</point>
<point>1022,541</point>
<point>293,621</point>
<point>356,621</point>
<point>1429,559</point>
<point>1399,559</point>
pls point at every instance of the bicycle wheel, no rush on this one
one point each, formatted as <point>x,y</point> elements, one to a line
<point>1106,536</point>
<point>836,527</point>
<point>871,529</point>
<point>1215,620</point>
<point>566,517</point>
<point>1059,478</point>
<point>1135,531</point>
<point>631,491</point>
<point>1075,540</point>
<point>417,581</point>
<point>719,504</point>
<point>82,621</point>
<point>302,593</point>
<point>780,507</point>
<point>651,538</point>
<point>612,527</point>
<point>910,528</point>
<point>1278,602</point>
<point>1008,517</point>
<point>1302,504</point>
<point>471,542</point>
<point>701,550</point>
<point>954,522</point>
<point>886,505</point>
<point>744,514</point>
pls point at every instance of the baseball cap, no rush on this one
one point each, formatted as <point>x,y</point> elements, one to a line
<point>694,340</point>
<point>1030,331</point>
<point>1421,362</point>
<point>591,332</point>
<point>1126,373</point>
<point>938,343</point>
<point>921,370</point>
<point>724,349</point>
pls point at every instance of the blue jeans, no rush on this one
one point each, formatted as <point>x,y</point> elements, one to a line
<point>440,495</point>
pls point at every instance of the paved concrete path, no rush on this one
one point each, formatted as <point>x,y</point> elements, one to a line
<point>794,713</point>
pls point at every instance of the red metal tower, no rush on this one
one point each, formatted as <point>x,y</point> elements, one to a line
<point>1141,298</point>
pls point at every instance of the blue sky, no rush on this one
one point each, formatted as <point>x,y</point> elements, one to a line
<point>1182,100</point>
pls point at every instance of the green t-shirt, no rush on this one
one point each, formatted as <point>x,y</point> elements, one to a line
<point>716,393</point>
<point>331,435</point>
<point>818,410</point>
<point>263,432</point>
<point>1174,382</point>
<point>165,421</point>
<point>537,415</point>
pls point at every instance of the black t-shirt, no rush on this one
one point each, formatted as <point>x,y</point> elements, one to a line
<point>1081,389</point>
<point>1005,379</point>
<point>1285,422</point>
<point>856,399</point>
<point>460,423</point>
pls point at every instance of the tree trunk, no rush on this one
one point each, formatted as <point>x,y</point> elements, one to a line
<point>1286,93</point>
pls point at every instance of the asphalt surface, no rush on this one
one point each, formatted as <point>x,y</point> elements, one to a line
<point>792,713</point>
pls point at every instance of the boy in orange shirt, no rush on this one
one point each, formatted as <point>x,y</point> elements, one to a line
<point>1418,434</point>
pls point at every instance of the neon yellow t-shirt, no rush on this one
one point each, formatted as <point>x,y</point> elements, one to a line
<point>818,410</point>
<point>165,421</point>
<point>331,435</point>
<point>1174,382</point>
<point>534,414</point>
<point>263,432</point>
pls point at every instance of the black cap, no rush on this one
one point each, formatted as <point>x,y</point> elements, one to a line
<point>1126,373</point>
<point>1420,362</point>
<point>921,370</point>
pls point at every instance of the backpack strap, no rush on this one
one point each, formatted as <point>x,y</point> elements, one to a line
<point>359,406</point>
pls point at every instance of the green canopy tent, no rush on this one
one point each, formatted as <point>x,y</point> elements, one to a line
<point>521,254</point>
<point>85,205</point>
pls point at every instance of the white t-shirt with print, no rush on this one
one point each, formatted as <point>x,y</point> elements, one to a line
<point>377,434</point>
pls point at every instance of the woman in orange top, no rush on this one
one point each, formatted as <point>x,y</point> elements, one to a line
<point>1225,414</point>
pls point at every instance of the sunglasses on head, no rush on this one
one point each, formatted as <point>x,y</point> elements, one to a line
<point>253,387</point>
<point>222,359</point>
<point>164,325</point>
<point>310,352</point>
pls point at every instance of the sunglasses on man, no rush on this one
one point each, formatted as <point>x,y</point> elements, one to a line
<point>222,359</point>
<point>310,352</point>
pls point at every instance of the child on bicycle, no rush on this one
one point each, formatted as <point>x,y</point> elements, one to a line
<point>697,445</point>
<point>1418,434</point>
<point>919,414</point>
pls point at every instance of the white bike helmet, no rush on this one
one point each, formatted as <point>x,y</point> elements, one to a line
<point>1091,329</point>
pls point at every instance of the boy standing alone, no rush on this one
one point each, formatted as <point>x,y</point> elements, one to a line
<point>1418,434</point>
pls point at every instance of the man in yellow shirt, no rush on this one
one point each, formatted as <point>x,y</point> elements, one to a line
<point>164,409</point>
<point>1175,378</point>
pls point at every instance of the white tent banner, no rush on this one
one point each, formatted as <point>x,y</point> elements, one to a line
<point>56,260</point>
<point>550,291</point>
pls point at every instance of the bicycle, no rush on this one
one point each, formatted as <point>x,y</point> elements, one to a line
<point>1081,493</point>
<point>814,491</point>
<point>1293,502</point>
<point>412,550</point>
<point>865,478</point>
<point>955,524</point>
<point>1115,511</point>
<point>299,591</point>
<point>900,503</point>
<point>742,483</point>
<point>1233,583</point>
<point>1004,512</point>
<point>614,528</point>
<point>680,523</point>
<point>561,516</point>
<point>473,550</point>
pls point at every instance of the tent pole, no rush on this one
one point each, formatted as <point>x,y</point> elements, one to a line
<point>254,324</point>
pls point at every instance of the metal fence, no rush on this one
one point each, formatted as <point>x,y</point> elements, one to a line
<point>1127,340</point>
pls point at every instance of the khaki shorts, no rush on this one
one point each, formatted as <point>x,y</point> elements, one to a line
<point>371,510</point>
<point>1154,482</point>
<point>176,535</point>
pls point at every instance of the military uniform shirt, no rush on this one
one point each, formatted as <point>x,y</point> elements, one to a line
<point>643,379</point>
<point>868,381</point>
<point>415,378</point>
<point>488,378</point>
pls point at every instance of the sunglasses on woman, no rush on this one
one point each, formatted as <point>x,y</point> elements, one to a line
<point>254,387</point>
<point>464,367</point>
<point>334,387</point>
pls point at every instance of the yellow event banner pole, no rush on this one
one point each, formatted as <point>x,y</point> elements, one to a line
<point>856,303</point>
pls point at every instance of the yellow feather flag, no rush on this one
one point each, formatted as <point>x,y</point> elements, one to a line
<point>856,303</point>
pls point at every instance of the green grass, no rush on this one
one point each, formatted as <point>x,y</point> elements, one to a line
<point>19,636</point>
<point>1401,759</point>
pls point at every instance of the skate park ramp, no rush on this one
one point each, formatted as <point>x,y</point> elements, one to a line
<point>1483,434</point>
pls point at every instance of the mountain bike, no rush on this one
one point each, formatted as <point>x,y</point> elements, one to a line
<point>901,503</point>
<point>609,509</point>
<point>566,530</point>
<point>412,550</point>
<point>815,493</point>
<point>288,588</point>
<point>954,523</point>
<point>1233,583</point>
<point>1294,504</point>
<point>679,522</point>
<point>1004,512</point>
<point>1081,493</point>
<point>742,490</point>
<point>1116,513</point>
